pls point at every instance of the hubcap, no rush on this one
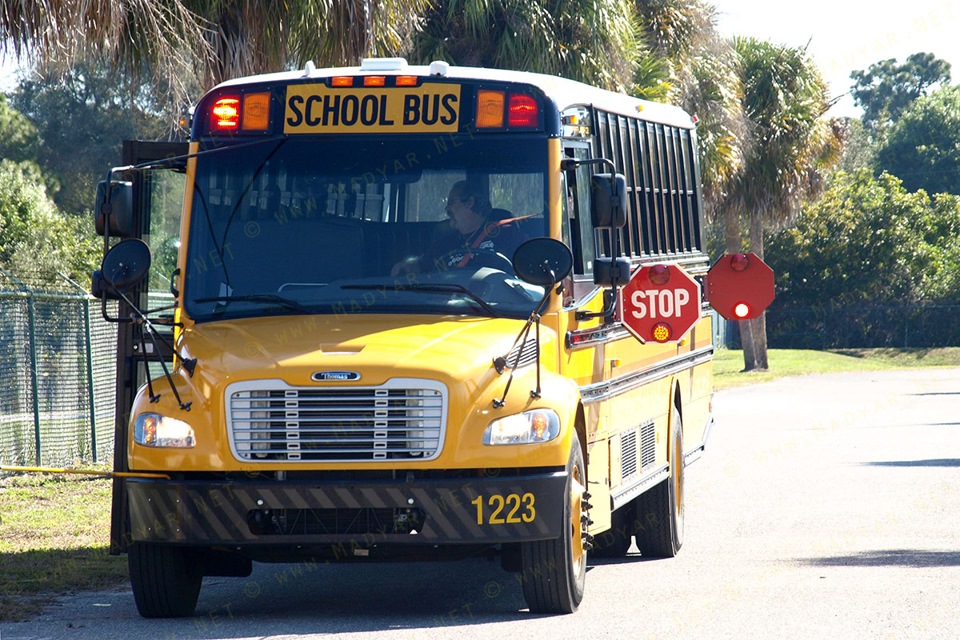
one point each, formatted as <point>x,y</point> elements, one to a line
<point>578,523</point>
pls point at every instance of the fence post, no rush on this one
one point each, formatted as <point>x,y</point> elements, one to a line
<point>88,334</point>
<point>34,380</point>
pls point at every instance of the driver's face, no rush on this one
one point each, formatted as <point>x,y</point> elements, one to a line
<point>462,216</point>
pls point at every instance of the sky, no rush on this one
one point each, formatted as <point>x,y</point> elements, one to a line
<point>849,35</point>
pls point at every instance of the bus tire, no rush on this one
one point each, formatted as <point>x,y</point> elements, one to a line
<point>553,572</point>
<point>660,511</point>
<point>165,582</point>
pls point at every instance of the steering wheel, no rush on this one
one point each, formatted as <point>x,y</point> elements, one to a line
<point>500,261</point>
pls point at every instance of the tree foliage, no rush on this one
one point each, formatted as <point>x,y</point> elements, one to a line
<point>19,139</point>
<point>923,147</point>
<point>80,119</point>
<point>785,99</point>
<point>887,88</point>
<point>181,44</point>
<point>36,241</point>
<point>594,42</point>
<point>690,64</point>
<point>869,240</point>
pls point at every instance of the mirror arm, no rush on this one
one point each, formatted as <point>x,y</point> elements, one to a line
<point>141,319</point>
<point>609,307</point>
<point>611,296</point>
<point>569,164</point>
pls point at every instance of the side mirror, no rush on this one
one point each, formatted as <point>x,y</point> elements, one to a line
<point>606,270</point>
<point>114,206</point>
<point>542,261</point>
<point>124,266</point>
<point>608,200</point>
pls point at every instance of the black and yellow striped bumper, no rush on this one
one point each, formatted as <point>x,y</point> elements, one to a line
<point>421,511</point>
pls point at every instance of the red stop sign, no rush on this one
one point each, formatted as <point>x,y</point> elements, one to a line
<point>740,286</point>
<point>661,303</point>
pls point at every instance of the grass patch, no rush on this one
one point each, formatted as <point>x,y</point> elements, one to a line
<point>54,538</point>
<point>728,364</point>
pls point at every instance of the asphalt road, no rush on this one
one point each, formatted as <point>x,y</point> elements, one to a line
<point>825,507</point>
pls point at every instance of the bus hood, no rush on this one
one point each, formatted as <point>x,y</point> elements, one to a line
<point>302,350</point>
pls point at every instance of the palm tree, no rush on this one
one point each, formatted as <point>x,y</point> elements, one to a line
<point>179,42</point>
<point>785,99</point>
<point>695,67</point>
<point>594,42</point>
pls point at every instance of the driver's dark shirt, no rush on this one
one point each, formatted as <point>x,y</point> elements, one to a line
<point>454,250</point>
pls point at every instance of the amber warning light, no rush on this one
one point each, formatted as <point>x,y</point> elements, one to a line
<point>740,286</point>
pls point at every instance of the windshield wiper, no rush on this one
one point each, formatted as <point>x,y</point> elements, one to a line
<point>431,288</point>
<point>268,298</point>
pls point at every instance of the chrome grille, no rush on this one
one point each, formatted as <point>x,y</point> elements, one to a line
<point>270,421</point>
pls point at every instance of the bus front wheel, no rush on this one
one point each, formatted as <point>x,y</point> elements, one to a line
<point>166,584</point>
<point>553,572</point>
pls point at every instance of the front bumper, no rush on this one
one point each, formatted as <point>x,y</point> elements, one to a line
<point>364,512</point>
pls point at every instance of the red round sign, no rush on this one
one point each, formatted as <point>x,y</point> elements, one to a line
<point>740,286</point>
<point>661,303</point>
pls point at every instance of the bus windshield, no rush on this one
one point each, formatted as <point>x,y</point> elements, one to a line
<point>304,225</point>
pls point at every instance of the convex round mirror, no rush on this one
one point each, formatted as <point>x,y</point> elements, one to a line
<point>126,264</point>
<point>542,261</point>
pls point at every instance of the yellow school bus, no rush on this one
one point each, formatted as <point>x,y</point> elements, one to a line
<point>324,384</point>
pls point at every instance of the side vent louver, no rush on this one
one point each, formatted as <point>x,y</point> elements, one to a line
<point>648,441</point>
<point>628,453</point>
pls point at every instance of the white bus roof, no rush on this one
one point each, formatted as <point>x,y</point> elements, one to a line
<point>566,93</point>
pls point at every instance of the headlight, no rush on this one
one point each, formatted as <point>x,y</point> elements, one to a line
<point>155,430</point>
<point>538,425</point>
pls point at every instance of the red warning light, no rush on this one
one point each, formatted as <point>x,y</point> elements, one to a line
<point>659,274</point>
<point>742,310</point>
<point>522,111</point>
<point>225,115</point>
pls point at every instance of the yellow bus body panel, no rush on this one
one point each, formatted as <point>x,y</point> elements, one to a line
<point>456,351</point>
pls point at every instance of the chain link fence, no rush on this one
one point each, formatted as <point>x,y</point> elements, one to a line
<point>862,326</point>
<point>57,375</point>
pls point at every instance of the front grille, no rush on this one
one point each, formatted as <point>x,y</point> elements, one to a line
<point>270,421</point>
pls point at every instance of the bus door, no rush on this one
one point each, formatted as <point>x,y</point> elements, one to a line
<point>585,338</point>
<point>157,206</point>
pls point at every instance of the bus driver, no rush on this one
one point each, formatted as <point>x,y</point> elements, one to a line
<point>479,236</point>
